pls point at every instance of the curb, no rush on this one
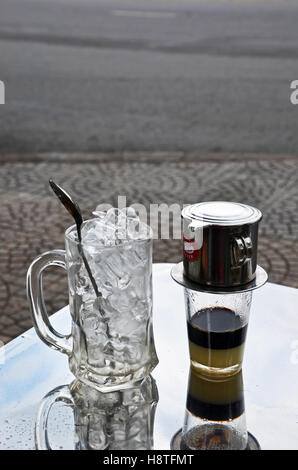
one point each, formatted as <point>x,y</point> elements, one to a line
<point>145,157</point>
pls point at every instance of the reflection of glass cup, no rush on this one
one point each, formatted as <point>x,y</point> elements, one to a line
<point>112,343</point>
<point>121,420</point>
<point>217,326</point>
<point>215,414</point>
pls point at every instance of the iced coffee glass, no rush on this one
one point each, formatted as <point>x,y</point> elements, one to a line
<point>217,326</point>
<point>111,345</point>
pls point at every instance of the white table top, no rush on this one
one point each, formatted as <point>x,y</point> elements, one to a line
<point>29,369</point>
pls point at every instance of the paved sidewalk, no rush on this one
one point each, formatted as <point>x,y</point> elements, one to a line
<point>33,221</point>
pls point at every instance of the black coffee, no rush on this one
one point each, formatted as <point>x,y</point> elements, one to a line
<point>216,328</point>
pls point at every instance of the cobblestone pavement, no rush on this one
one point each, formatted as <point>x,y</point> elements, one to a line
<point>33,221</point>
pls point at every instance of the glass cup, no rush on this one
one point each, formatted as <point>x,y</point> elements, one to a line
<point>217,326</point>
<point>111,345</point>
<point>119,420</point>
<point>215,413</point>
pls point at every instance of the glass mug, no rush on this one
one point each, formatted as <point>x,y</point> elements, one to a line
<point>111,345</point>
<point>217,326</point>
<point>119,420</point>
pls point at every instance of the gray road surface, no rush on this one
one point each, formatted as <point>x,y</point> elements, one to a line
<point>132,75</point>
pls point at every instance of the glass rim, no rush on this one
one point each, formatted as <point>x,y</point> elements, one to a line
<point>69,230</point>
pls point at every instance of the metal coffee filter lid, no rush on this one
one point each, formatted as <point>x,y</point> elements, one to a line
<point>222,213</point>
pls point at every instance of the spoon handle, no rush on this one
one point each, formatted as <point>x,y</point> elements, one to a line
<point>93,282</point>
<point>73,208</point>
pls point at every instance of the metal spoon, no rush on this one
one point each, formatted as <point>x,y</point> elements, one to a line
<point>73,208</point>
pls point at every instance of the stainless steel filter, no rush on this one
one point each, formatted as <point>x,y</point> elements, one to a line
<point>220,242</point>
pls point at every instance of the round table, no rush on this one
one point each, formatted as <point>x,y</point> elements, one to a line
<point>29,370</point>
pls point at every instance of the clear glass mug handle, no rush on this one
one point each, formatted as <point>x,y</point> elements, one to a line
<point>61,394</point>
<point>41,322</point>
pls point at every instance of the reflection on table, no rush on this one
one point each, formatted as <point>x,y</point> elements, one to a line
<point>121,420</point>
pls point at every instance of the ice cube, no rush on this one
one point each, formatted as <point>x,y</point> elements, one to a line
<point>114,227</point>
<point>100,214</point>
<point>97,438</point>
<point>97,233</point>
<point>111,217</point>
<point>94,327</point>
<point>122,300</point>
<point>130,256</point>
<point>124,281</point>
<point>141,310</point>
<point>143,231</point>
<point>132,397</point>
<point>134,352</point>
<point>129,212</point>
<point>122,324</point>
<point>132,228</point>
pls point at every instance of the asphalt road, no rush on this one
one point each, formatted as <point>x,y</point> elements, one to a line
<point>116,75</point>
